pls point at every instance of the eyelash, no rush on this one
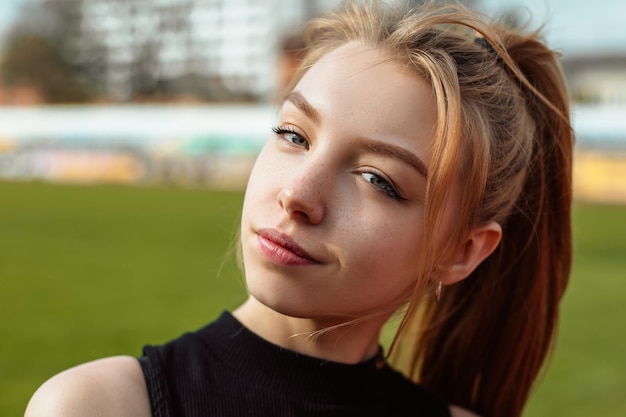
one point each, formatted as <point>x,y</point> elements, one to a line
<point>386,187</point>
<point>283,131</point>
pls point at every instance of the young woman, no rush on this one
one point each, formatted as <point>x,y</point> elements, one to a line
<point>420,166</point>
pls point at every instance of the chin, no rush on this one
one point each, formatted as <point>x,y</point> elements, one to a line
<point>284,305</point>
<point>308,309</point>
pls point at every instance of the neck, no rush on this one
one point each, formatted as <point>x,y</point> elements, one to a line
<point>332,340</point>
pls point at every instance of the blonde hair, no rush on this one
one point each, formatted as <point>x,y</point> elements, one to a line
<point>503,123</point>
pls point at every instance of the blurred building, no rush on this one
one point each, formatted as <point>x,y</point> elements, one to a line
<point>597,78</point>
<point>225,48</point>
<point>597,83</point>
<point>156,50</point>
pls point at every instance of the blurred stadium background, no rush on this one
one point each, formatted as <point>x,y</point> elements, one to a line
<point>157,108</point>
<point>135,91</point>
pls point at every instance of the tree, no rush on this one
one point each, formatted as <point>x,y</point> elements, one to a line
<point>33,61</point>
<point>50,43</point>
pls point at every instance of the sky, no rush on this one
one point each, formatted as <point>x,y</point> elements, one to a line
<point>573,26</point>
<point>8,11</point>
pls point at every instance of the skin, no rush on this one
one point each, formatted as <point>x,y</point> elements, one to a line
<point>327,184</point>
<point>344,179</point>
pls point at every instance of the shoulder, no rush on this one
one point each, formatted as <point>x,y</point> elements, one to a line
<point>456,411</point>
<point>107,387</point>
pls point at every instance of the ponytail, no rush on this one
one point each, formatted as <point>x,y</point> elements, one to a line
<point>483,345</point>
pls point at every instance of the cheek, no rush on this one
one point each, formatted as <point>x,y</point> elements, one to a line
<point>260,168</point>
<point>261,179</point>
<point>393,248</point>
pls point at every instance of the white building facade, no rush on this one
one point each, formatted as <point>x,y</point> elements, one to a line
<point>232,42</point>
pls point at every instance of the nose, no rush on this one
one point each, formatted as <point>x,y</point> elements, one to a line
<point>304,195</point>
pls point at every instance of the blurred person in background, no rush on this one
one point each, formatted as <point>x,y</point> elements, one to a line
<point>421,166</point>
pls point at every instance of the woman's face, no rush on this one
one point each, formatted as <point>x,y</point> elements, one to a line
<point>333,214</point>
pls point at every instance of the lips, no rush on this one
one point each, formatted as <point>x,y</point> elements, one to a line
<point>280,249</point>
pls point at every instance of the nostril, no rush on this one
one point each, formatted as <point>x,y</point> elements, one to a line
<point>301,215</point>
<point>301,205</point>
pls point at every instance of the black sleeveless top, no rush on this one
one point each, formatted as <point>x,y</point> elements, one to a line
<point>226,370</point>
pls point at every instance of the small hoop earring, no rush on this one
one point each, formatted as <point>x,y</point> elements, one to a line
<point>438,291</point>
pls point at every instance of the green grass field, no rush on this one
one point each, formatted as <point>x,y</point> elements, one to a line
<point>87,272</point>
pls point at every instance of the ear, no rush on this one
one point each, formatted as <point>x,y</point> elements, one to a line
<point>481,242</point>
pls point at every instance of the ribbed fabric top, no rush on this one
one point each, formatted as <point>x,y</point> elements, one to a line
<point>226,370</point>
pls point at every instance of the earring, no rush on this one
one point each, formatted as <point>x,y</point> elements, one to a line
<point>438,291</point>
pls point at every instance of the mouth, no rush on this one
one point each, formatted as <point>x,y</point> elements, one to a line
<point>280,249</point>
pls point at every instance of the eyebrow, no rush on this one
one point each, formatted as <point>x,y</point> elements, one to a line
<point>397,152</point>
<point>375,146</point>
<point>304,106</point>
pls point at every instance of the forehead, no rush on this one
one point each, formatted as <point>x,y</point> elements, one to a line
<point>354,63</point>
<point>360,87</point>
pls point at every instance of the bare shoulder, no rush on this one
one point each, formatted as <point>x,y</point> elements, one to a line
<point>456,411</point>
<point>107,387</point>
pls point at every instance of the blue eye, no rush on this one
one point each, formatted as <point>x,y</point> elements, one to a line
<point>291,136</point>
<point>382,184</point>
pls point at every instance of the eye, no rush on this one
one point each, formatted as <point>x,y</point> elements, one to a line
<point>382,184</point>
<point>290,135</point>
